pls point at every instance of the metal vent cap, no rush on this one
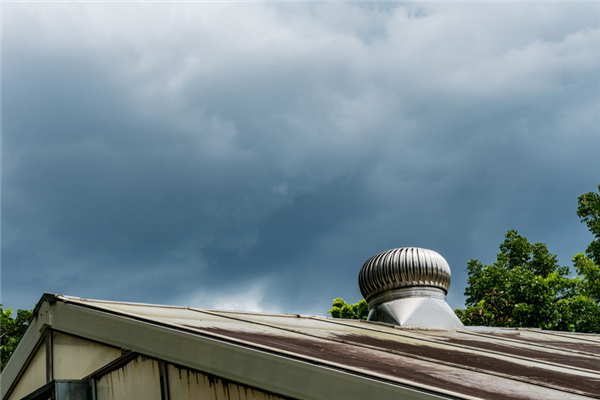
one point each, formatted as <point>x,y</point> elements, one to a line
<point>403,268</point>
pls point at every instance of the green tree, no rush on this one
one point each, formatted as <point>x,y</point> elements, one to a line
<point>526,287</point>
<point>590,271</point>
<point>340,309</point>
<point>12,329</point>
<point>588,209</point>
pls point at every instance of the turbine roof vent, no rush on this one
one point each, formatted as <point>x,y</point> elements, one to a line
<point>403,267</point>
<point>408,286</point>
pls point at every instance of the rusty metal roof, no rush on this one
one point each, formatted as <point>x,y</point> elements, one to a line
<point>465,363</point>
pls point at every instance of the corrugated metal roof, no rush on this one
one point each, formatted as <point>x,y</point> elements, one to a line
<point>465,363</point>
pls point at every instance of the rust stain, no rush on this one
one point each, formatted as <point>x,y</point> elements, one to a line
<point>571,360</point>
<point>577,346</point>
<point>364,359</point>
<point>219,383</point>
<point>189,387</point>
<point>485,363</point>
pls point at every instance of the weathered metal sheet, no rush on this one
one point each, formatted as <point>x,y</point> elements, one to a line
<point>287,321</point>
<point>455,341</point>
<point>34,376</point>
<point>492,364</point>
<point>514,348</point>
<point>188,384</point>
<point>429,369</point>
<point>143,310</point>
<point>410,344</point>
<point>136,380</point>
<point>75,358</point>
<point>232,324</point>
<point>551,341</point>
<point>270,370</point>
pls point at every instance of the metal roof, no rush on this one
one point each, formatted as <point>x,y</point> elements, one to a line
<point>463,363</point>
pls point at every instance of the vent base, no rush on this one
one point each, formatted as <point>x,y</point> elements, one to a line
<point>423,312</point>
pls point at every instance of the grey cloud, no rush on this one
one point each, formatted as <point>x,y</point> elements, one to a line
<point>158,155</point>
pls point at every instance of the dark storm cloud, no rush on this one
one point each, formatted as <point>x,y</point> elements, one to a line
<point>255,155</point>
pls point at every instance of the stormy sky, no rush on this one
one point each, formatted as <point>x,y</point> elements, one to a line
<point>253,156</point>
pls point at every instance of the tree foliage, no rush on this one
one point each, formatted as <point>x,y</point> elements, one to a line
<point>526,286</point>
<point>588,209</point>
<point>340,309</point>
<point>13,329</point>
